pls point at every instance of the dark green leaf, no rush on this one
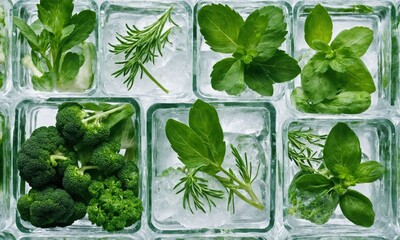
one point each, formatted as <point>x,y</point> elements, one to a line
<point>342,152</point>
<point>318,86</point>
<point>189,146</point>
<point>318,26</point>
<point>203,119</point>
<point>357,77</point>
<point>228,75</point>
<point>27,32</point>
<point>357,38</point>
<point>220,26</point>
<point>45,82</point>
<point>70,67</point>
<point>113,119</point>
<point>85,23</point>
<point>313,183</point>
<point>258,80</point>
<point>92,106</point>
<point>55,14</point>
<point>369,172</point>
<point>357,208</point>
<point>282,67</point>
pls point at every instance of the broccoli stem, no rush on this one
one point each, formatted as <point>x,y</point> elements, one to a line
<point>85,168</point>
<point>104,114</point>
<point>54,158</point>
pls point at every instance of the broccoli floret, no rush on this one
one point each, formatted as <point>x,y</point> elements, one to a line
<point>129,176</point>
<point>76,181</point>
<point>106,156</point>
<point>79,213</point>
<point>113,207</point>
<point>46,208</point>
<point>44,157</point>
<point>87,128</point>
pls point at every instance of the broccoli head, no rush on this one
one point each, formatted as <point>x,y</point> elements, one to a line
<point>76,181</point>
<point>49,207</point>
<point>44,157</point>
<point>106,156</point>
<point>79,213</point>
<point>113,207</point>
<point>129,176</point>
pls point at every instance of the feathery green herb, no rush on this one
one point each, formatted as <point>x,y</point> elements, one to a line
<point>140,47</point>
<point>201,148</point>
<point>335,80</point>
<point>256,61</point>
<point>319,187</point>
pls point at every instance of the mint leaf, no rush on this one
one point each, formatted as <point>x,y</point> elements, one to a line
<point>228,75</point>
<point>85,23</point>
<point>281,67</point>
<point>369,172</point>
<point>27,32</point>
<point>204,120</point>
<point>318,26</point>
<point>357,77</point>
<point>258,80</point>
<point>55,14</point>
<point>357,38</point>
<point>342,152</point>
<point>313,183</point>
<point>189,146</point>
<point>220,26</point>
<point>70,67</point>
<point>318,86</point>
<point>357,208</point>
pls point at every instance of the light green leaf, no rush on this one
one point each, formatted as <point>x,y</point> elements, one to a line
<point>67,31</point>
<point>369,172</point>
<point>319,62</point>
<point>357,77</point>
<point>342,152</point>
<point>281,67</point>
<point>220,26</point>
<point>318,86</point>
<point>55,14</point>
<point>189,146</point>
<point>70,67</point>
<point>357,208</point>
<point>85,23</point>
<point>313,183</point>
<point>357,38</point>
<point>344,58</point>
<point>204,120</point>
<point>124,133</point>
<point>318,26</point>
<point>44,83</point>
<point>228,75</point>
<point>321,46</point>
<point>27,32</point>
<point>258,80</point>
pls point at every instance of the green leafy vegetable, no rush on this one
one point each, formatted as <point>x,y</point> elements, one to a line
<point>335,80</point>
<point>140,47</point>
<point>256,61</point>
<point>201,148</point>
<point>56,39</point>
<point>323,182</point>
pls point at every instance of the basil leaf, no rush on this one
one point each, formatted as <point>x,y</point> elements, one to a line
<point>189,146</point>
<point>27,32</point>
<point>318,26</point>
<point>204,120</point>
<point>318,86</point>
<point>342,152</point>
<point>357,208</point>
<point>258,80</point>
<point>85,23</point>
<point>220,26</point>
<point>357,77</point>
<point>344,58</point>
<point>321,46</point>
<point>55,14</point>
<point>357,38</point>
<point>319,62</point>
<point>70,67</point>
<point>369,172</point>
<point>281,67</point>
<point>313,183</point>
<point>228,75</point>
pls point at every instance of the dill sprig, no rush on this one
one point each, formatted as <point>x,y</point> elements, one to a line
<point>140,47</point>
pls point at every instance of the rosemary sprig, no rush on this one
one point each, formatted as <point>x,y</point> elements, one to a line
<point>299,148</point>
<point>140,47</point>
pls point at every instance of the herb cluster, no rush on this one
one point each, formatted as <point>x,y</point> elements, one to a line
<point>201,148</point>
<point>324,182</point>
<point>60,58</point>
<point>256,61</point>
<point>335,80</point>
